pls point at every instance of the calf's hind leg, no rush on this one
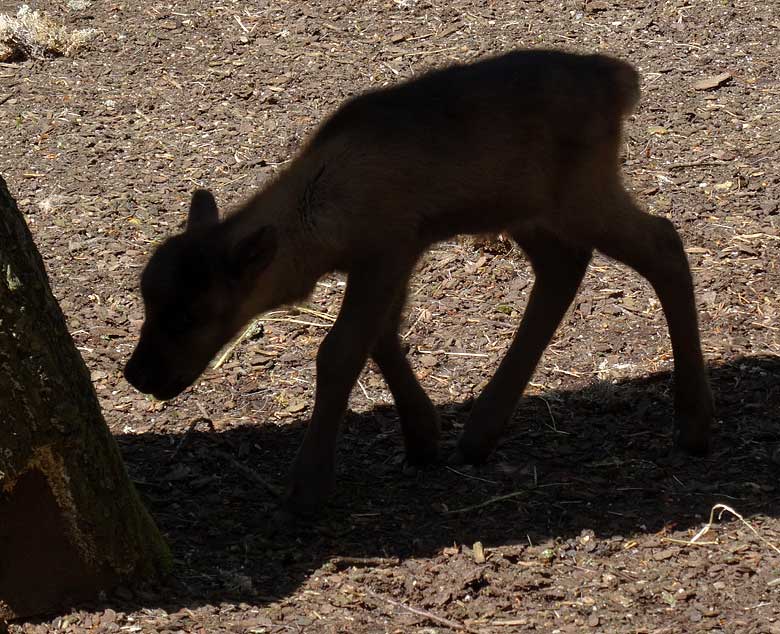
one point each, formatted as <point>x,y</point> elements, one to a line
<point>652,247</point>
<point>559,269</point>
<point>419,419</point>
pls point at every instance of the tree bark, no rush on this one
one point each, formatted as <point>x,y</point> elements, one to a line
<point>71,522</point>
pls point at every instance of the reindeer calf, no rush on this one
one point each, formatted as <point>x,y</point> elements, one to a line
<point>526,144</point>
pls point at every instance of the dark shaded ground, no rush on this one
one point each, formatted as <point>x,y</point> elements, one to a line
<point>589,512</point>
<point>102,150</point>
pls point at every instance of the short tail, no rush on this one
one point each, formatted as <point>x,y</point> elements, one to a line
<point>622,82</point>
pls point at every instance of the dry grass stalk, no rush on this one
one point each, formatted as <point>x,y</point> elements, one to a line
<point>727,509</point>
<point>31,34</point>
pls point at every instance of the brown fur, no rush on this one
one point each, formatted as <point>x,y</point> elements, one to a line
<point>525,144</point>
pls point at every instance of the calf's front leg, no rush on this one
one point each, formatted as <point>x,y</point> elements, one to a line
<point>368,302</point>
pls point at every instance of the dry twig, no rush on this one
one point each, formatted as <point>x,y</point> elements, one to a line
<point>250,474</point>
<point>461,627</point>
<point>186,436</point>
<point>488,502</point>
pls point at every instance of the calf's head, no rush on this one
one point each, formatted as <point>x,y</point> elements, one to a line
<point>199,289</point>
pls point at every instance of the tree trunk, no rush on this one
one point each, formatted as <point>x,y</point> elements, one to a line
<point>71,523</point>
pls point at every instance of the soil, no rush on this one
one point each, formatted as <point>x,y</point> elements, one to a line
<point>581,520</point>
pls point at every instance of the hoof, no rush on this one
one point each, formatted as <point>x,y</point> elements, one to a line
<point>305,502</point>
<point>283,519</point>
<point>420,456</point>
<point>456,459</point>
<point>464,455</point>
<point>472,449</point>
<point>693,444</point>
<point>294,511</point>
<point>421,431</point>
<point>693,431</point>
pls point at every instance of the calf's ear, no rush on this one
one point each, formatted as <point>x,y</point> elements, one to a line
<point>203,210</point>
<point>252,254</point>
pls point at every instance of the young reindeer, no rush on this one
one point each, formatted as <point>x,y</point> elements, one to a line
<point>526,144</point>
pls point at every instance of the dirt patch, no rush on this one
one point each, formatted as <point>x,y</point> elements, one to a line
<point>583,510</point>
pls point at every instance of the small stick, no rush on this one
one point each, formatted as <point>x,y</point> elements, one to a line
<point>700,162</point>
<point>466,475</point>
<point>141,114</point>
<point>250,474</point>
<point>566,372</point>
<point>748,236</point>
<point>246,471</point>
<point>494,500</point>
<point>685,542</point>
<point>416,321</point>
<point>424,36</point>
<point>290,320</point>
<point>425,614</point>
<point>365,393</point>
<point>342,563</point>
<point>454,354</point>
<point>427,53</point>
<point>509,623</point>
<point>392,70</point>
<point>146,483</point>
<point>554,426</point>
<point>316,313</point>
<point>241,24</point>
<point>185,438</point>
<point>251,328</point>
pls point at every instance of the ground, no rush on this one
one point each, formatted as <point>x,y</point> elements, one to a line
<point>581,520</point>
